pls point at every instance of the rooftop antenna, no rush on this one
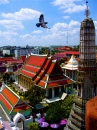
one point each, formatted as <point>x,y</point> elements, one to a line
<point>87,12</point>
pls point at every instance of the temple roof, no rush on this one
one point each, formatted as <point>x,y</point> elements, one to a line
<point>72,64</point>
<point>11,102</point>
<point>42,69</point>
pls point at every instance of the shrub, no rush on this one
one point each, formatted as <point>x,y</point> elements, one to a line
<point>33,126</point>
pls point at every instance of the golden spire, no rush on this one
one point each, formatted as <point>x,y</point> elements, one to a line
<point>87,12</point>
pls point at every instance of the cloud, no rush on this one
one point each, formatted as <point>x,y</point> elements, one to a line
<point>37,32</point>
<point>4,1</point>
<point>56,35</point>
<point>70,6</point>
<point>11,24</point>
<point>8,37</point>
<point>23,14</point>
<point>66,17</point>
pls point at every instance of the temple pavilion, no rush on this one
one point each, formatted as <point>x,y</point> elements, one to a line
<point>70,70</point>
<point>44,72</point>
<point>11,103</point>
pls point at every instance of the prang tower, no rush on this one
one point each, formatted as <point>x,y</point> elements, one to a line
<point>86,76</point>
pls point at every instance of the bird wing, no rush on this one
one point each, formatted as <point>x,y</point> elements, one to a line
<point>44,25</point>
<point>38,24</point>
<point>41,19</point>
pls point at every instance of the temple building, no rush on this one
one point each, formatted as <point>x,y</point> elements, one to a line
<point>11,103</point>
<point>70,70</point>
<point>86,74</point>
<point>44,72</point>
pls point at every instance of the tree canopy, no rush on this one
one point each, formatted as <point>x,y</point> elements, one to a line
<point>59,110</point>
<point>34,95</point>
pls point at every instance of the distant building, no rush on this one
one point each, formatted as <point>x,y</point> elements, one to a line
<point>66,54</point>
<point>10,64</point>
<point>6,52</point>
<point>25,51</point>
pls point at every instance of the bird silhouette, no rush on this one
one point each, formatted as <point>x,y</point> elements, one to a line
<point>41,22</point>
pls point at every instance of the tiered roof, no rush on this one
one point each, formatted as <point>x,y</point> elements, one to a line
<point>72,64</point>
<point>11,102</point>
<point>45,71</point>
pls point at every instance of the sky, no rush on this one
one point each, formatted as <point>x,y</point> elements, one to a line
<point>18,20</point>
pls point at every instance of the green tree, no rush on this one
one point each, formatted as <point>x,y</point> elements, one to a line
<point>67,105</point>
<point>59,110</point>
<point>54,113</point>
<point>6,76</point>
<point>33,126</point>
<point>34,95</point>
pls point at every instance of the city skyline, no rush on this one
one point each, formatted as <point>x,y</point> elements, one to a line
<point>18,20</point>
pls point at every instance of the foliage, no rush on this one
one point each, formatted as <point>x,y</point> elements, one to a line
<point>34,95</point>
<point>61,61</point>
<point>59,110</point>
<point>54,113</point>
<point>6,55</point>
<point>33,126</point>
<point>6,76</point>
<point>67,105</point>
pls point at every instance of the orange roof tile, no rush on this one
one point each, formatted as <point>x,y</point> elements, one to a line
<point>5,103</point>
<point>50,68</point>
<point>57,83</point>
<point>21,108</point>
<point>10,96</point>
<point>36,60</point>
<point>27,73</point>
<point>41,83</point>
<point>31,68</point>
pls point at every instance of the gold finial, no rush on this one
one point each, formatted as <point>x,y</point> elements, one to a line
<point>87,12</point>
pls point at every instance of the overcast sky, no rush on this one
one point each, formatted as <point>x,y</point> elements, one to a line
<point>18,20</point>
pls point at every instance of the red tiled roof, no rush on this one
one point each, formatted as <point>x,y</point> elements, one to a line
<point>48,65</point>
<point>71,52</point>
<point>23,58</point>
<point>36,60</point>
<point>44,78</point>
<point>50,68</point>
<point>31,68</point>
<point>21,108</point>
<point>5,103</point>
<point>51,78</point>
<point>57,83</point>
<point>10,96</point>
<point>41,83</point>
<point>27,73</point>
<point>6,58</point>
<point>17,61</point>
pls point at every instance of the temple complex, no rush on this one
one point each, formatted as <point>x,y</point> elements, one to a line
<point>86,74</point>
<point>44,72</point>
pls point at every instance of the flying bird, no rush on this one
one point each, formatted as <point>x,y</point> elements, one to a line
<point>41,22</point>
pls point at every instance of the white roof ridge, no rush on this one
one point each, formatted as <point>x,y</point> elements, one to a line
<point>72,60</point>
<point>72,63</point>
